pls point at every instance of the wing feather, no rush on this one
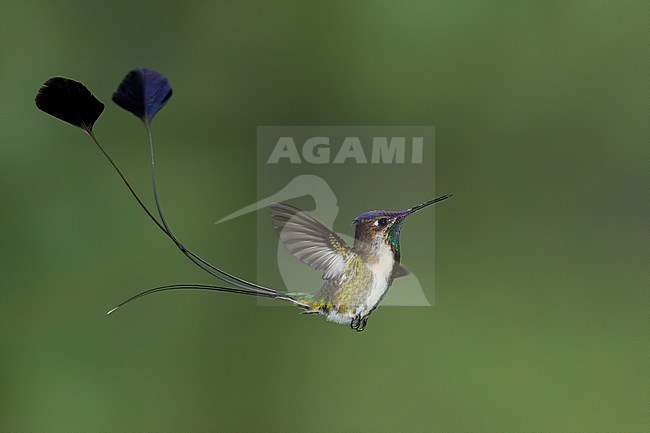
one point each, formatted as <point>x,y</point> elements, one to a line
<point>310,241</point>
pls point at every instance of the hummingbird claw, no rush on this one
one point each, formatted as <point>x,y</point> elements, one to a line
<point>363,324</point>
<point>358,323</point>
<point>354,323</point>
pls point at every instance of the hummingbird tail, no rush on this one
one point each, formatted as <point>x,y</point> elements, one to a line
<point>226,277</point>
<point>241,291</point>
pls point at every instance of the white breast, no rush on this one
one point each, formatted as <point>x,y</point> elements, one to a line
<point>381,270</point>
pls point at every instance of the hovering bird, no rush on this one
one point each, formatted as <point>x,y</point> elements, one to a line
<point>325,210</point>
<point>356,277</point>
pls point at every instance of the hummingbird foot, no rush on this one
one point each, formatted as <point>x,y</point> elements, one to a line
<point>358,322</point>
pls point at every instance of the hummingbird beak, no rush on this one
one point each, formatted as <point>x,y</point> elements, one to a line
<point>426,203</point>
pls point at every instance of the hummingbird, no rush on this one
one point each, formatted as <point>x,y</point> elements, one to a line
<point>356,278</point>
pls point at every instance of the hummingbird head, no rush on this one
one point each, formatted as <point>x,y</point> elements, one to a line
<point>382,227</point>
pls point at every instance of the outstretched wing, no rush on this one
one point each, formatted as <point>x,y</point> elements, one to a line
<point>310,241</point>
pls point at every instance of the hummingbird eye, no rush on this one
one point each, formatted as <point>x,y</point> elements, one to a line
<point>382,222</point>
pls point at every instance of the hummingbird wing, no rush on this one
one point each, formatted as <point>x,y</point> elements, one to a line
<point>310,241</point>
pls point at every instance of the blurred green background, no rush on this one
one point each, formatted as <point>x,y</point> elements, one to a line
<point>540,322</point>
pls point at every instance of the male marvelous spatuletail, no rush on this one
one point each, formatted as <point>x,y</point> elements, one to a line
<point>356,277</point>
